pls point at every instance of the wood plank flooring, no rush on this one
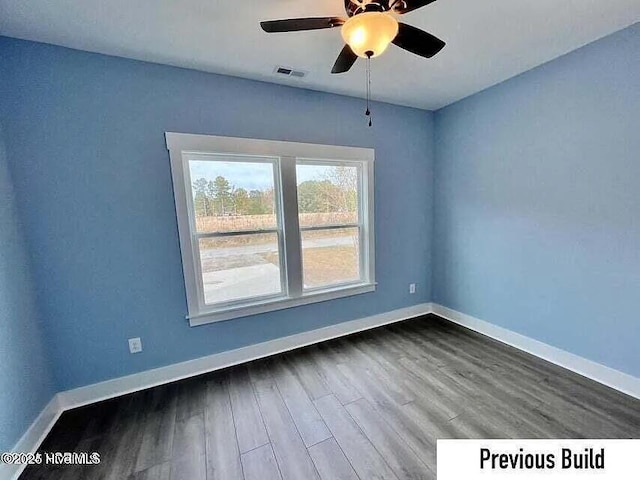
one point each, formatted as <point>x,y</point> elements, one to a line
<point>367,406</point>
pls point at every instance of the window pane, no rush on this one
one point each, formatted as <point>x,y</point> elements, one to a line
<point>239,267</point>
<point>231,195</point>
<point>327,194</point>
<point>330,257</point>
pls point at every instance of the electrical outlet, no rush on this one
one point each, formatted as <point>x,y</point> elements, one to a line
<point>412,288</point>
<point>135,345</point>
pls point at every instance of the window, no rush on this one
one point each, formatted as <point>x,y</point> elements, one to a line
<point>266,225</point>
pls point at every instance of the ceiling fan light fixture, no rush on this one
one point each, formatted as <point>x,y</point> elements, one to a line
<point>370,32</point>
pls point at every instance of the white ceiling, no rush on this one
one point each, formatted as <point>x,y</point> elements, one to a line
<point>487,41</point>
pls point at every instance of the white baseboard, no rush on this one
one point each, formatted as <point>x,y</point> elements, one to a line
<point>608,376</point>
<point>33,437</point>
<point>158,376</point>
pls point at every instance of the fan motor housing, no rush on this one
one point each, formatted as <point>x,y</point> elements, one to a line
<point>354,8</point>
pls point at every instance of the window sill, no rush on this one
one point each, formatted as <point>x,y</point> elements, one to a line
<point>279,304</point>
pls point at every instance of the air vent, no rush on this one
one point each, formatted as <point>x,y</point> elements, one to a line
<point>289,72</point>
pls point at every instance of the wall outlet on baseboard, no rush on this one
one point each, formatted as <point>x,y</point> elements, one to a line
<point>135,345</point>
<point>412,288</point>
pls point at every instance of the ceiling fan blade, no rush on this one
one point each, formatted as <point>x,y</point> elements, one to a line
<point>417,41</point>
<point>405,6</point>
<point>345,60</point>
<point>298,24</point>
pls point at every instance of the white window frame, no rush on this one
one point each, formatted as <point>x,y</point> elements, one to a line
<point>286,156</point>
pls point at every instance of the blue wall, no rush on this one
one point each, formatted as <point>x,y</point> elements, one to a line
<point>25,380</point>
<point>91,170</point>
<point>537,224</point>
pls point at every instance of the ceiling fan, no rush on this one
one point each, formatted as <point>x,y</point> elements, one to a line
<point>369,29</point>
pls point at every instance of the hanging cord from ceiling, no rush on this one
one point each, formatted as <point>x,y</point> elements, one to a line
<point>368,111</point>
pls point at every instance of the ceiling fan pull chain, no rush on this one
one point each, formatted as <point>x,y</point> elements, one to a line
<point>368,112</point>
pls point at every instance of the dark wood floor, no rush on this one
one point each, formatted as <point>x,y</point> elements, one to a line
<point>368,406</point>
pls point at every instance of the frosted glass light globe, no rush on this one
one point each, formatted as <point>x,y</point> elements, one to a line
<point>370,32</point>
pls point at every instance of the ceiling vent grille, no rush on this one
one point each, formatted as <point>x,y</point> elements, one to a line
<point>289,72</point>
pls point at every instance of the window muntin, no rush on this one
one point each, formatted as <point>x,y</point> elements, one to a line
<point>286,257</point>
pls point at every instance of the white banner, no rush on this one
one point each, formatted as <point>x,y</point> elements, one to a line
<point>538,459</point>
